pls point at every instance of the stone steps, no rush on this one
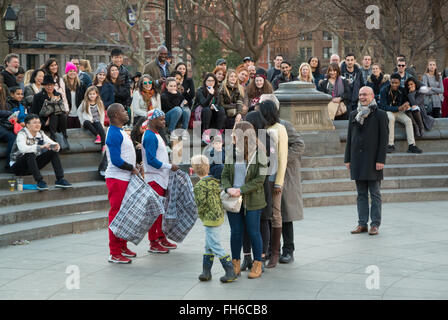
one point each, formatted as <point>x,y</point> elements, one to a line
<point>80,189</point>
<point>51,227</point>
<point>414,182</point>
<point>393,170</point>
<point>388,195</point>
<point>45,209</point>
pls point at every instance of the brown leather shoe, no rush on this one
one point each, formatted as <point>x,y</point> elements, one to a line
<point>359,230</point>
<point>373,231</point>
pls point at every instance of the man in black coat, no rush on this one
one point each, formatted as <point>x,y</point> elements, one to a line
<point>365,156</point>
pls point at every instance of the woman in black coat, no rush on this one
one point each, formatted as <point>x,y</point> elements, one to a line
<point>122,92</point>
<point>212,115</point>
<point>187,83</point>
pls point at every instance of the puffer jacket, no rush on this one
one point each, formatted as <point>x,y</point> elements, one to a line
<point>206,194</point>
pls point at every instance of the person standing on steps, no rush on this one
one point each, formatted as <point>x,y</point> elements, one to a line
<point>365,156</point>
<point>121,165</point>
<point>157,172</point>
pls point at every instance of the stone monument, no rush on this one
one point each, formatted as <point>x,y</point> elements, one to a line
<point>307,109</point>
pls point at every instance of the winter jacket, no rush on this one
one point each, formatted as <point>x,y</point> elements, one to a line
<point>107,93</point>
<point>355,80</point>
<point>208,201</point>
<point>15,106</point>
<point>233,103</point>
<point>386,102</point>
<point>282,79</point>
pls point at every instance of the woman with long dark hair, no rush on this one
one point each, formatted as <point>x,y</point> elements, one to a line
<point>122,93</point>
<point>34,87</point>
<point>51,67</point>
<point>187,83</point>
<point>314,63</point>
<point>145,98</point>
<point>257,86</point>
<point>417,112</point>
<point>244,177</point>
<point>212,115</point>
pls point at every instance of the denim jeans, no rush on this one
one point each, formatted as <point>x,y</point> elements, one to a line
<point>252,221</point>
<point>363,187</point>
<point>174,115</point>
<point>213,243</point>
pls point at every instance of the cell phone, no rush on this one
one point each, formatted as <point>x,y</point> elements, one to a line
<point>214,107</point>
<point>53,146</point>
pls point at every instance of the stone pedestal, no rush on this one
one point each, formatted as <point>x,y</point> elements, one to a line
<point>307,109</point>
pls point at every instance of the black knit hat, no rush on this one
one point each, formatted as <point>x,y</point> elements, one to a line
<point>48,79</point>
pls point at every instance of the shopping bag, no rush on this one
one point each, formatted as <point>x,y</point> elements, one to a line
<point>139,210</point>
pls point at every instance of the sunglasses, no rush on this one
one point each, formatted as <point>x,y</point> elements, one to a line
<point>147,82</point>
<point>402,65</point>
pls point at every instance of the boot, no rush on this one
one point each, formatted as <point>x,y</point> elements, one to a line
<point>228,268</point>
<point>247,263</point>
<point>207,264</point>
<point>236,267</point>
<point>256,270</point>
<point>419,121</point>
<point>275,246</point>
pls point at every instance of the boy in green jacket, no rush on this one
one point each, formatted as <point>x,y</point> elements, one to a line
<point>211,213</point>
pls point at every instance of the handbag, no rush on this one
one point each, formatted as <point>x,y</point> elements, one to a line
<point>51,107</point>
<point>336,109</point>
<point>233,204</point>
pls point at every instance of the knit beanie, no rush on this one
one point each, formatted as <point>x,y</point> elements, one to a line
<point>102,68</point>
<point>70,66</point>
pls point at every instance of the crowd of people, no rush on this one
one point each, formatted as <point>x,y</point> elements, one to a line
<point>163,98</point>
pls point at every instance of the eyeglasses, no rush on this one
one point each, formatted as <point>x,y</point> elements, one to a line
<point>147,82</point>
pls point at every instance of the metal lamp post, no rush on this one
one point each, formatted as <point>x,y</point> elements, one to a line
<point>10,23</point>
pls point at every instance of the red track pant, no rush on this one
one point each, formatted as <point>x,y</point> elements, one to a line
<point>117,190</point>
<point>155,232</point>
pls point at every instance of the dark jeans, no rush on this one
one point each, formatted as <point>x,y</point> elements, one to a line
<point>9,137</point>
<point>29,163</point>
<point>58,123</point>
<point>96,128</point>
<point>213,119</point>
<point>252,221</point>
<point>288,237</point>
<point>363,187</point>
<point>265,229</point>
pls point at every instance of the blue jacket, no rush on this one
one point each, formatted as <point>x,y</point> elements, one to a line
<point>107,94</point>
<point>386,103</point>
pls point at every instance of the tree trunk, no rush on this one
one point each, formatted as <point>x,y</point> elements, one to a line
<point>441,43</point>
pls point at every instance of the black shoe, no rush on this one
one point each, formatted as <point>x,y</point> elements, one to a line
<point>247,263</point>
<point>414,149</point>
<point>62,183</point>
<point>390,148</point>
<point>42,185</point>
<point>286,257</point>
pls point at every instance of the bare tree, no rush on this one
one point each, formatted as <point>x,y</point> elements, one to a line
<point>247,26</point>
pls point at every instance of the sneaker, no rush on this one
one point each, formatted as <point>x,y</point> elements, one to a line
<point>166,244</point>
<point>155,247</point>
<point>414,149</point>
<point>62,183</point>
<point>128,253</point>
<point>42,185</point>
<point>118,258</point>
<point>390,148</point>
<point>98,139</point>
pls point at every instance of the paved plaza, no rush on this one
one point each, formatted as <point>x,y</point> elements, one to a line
<point>407,260</point>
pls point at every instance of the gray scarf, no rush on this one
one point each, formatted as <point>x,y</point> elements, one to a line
<point>364,111</point>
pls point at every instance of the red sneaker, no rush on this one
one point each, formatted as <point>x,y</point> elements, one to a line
<point>155,247</point>
<point>166,244</point>
<point>128,253</point>
<point>118,258</point>
<point>98,139</point>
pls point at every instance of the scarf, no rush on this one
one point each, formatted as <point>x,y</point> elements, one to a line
<point>147,95</point>
<point>364,112</point>
<point>338,89</point>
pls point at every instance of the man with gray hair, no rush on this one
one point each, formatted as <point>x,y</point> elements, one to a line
<point>11,68</point>
<point>365,156</point>
<point>159,69</point>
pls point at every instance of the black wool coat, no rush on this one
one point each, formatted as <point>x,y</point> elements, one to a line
<point>367,145</point>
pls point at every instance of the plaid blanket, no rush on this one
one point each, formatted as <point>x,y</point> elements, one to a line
<point>180,207</point>
<point>139,210</point>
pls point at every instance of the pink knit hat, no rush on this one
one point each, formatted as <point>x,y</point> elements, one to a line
<point>70,66</point>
